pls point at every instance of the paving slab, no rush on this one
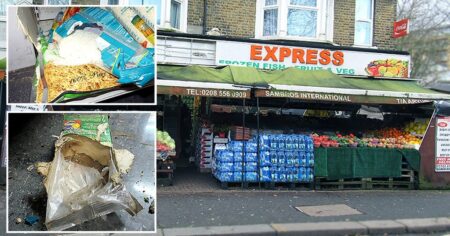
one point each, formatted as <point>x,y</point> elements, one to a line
<point>262,229</point>
<point>426,225</point>
<point>321,229</point>
<point>328,210</point>
<point>384,227</point>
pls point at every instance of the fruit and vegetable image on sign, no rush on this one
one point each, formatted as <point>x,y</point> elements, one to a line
<point>388,68</point>
<point>442,161</point>
<point>342,62</point>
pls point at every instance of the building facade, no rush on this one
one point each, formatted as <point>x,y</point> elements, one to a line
<point>360,23</point>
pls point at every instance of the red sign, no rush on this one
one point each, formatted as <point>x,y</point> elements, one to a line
<point>400,28</point>
<point>442,124</point>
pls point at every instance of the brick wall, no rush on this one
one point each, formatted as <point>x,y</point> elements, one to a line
<point>344,22</point>
<point>385,12</point>
<point>231,17</point>
<point>237,18</point>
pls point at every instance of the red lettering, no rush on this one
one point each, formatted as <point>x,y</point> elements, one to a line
<point>270,53</point>
<point>324,57</point>
<point>255,52</point>
<point>297,55</point>
<point>284,52</point>
<point>311,56</point>
<point>338,58</point>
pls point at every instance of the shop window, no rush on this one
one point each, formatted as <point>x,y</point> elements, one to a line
<point>295,19</point>
<point>364,22</point>
<point>170,14</point>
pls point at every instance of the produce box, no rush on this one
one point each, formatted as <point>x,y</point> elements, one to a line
<point>90,51</point>
<point>93,126</point>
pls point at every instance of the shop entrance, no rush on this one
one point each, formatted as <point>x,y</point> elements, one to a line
<point>385,134</point>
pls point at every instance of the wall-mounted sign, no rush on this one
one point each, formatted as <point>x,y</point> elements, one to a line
<point>342,62</point>
<point>338,98</point>
<point>203,92</point>
<point>401,28</point>
<point>442,160</point>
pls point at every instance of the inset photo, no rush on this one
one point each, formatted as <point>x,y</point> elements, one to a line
<point>81,55</point>
<point>76,172</point>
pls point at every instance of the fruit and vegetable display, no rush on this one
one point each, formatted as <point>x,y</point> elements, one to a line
<point>164,143</point>
<point>282,158</point>
<point>407,137</point>
<point>388,68</point>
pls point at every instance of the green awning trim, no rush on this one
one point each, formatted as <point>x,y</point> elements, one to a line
<point>3,63</point>
<point>289,76</point>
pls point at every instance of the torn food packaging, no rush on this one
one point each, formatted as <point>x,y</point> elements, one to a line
<point>79,183</point>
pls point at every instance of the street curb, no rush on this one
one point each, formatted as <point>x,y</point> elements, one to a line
<point>428,225</point>
<point>321,229</point>
<point>262,229</point>
<point>399,226</point>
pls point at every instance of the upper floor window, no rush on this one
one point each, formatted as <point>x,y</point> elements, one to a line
<point>170,14</point>
<point>295,19</point>
<point>364,22</point>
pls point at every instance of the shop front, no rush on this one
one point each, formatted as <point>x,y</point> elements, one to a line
<point>294,115</point>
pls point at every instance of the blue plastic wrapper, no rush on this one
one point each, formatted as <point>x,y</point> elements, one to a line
<point>236,146</point>
<point>302,158</point>
<point>251,146</point>
<point>290,158</point>
<point>224,156</point>
<point>238,156</point>
<point>289,142</point>
<point>225,176</point>
<point>251,176</point>
<point>251,157</point>
<point>264,158</point>
<point>273,158</point>
<point>251,166</point>
<point>311,159</point>
<point>302,174</point>
<point>225,166</point>
<point>274,140</point>
<point>265,174</point>
<point>281,172</point>
<point>237,176</point>
<point>281,158</point>
<point>264,142</point>
<point>309,174</point>
<point>248,166</point>
<point>281,142</point>
<point>301,142</point>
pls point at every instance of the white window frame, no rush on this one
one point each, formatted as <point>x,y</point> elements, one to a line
<point>325,20</point>
<point>165,13</point>
<point>367,21</point>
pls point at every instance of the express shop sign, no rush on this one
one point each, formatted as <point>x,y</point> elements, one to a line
<point>343,62</point>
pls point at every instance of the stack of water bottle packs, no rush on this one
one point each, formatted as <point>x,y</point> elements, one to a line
<point>237,163</point>
<point>282,158</point>
<point>286,158</point>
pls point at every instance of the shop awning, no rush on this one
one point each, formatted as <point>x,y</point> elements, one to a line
<point>318,85</point>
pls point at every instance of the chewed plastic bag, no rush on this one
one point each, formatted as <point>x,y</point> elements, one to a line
<point>83,183</point>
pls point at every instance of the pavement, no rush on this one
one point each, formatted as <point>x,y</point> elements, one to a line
<point>263,212</point>
<point>196,205</point>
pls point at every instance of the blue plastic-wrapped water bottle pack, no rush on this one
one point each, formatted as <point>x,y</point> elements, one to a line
<point>282,158</point>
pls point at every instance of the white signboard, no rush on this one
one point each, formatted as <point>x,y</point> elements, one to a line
<point>342,62</point>
<point>27,108</point>
<point>442,161</point>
